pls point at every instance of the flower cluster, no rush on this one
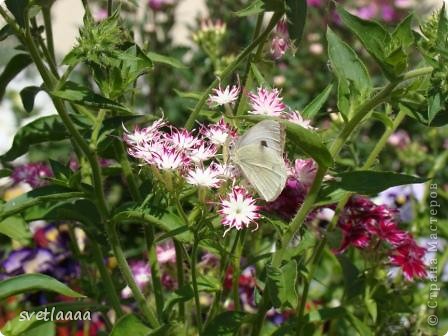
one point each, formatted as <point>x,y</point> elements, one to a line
<point>368,226</point>
<point>34,174</point>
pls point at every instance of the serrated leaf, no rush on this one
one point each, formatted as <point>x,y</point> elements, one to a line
<point>28,95</point>
<point>28,283</point>
<point>369,182</point>
<point>15,228</point>
<point>49,128</point>
<point>78,94</point>
<point>317,103</point>
<point>225,324</point>
<point>171,61</point>
<point>281,284</point>
<point>15,65</point>
<point>403,33</point>
<point>296,11</point>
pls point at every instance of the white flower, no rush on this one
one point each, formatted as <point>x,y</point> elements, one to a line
<point>203,152</point>
<point>208,177</point>
<point>218,133</point>
<point>222,97</point>
<point>238,210</point>
<point>170,159</point>
<point>266,102</point>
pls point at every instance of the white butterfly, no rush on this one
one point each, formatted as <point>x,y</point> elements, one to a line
<point>259,155</point>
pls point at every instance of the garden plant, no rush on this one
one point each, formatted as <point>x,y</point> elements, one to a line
<point>283,172</point>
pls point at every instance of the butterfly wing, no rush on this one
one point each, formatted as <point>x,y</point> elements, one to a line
<point>268,132</point>
<point>264,168</point>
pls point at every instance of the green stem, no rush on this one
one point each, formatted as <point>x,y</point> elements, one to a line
<point>194,259</point>
<point>112,296</point>
<point>245,78</point>
<point>230,68</point>
<point>46,12</point>
<point>339,208</point>
<point>236,256</point>
<point>128,276</point>
<point>148,229</point>
<point>109,7</point>
<point>180,276</point>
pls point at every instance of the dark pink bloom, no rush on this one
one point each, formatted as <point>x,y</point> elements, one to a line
<point>280,41</point>
<point>288,202</point>
<point>34,174</point>
<point>409,256</point>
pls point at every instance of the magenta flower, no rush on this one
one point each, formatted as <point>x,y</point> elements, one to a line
<point>409,256</point>
<point>166,253</point>
<point>399,139</point>
<point>266,102</point>
<point>289,200</point>
<point>157,5</point>
<point>34,174</point>
<point>218,133</point>
<point>238,210</point>
<point>221,96</point>
<point>314,3</point>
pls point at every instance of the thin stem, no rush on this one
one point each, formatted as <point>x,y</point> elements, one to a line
<point>128,276</point>
<point>236,256</point>
<point>109,7</point>
<point>194,259</point>
<point>46,12</point>
<point>112,296</point>
<point>245,78</point>
<point>230,68</point>
<point>180,275</point>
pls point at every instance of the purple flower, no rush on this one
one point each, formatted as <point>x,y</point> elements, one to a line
<point>142,274</point>
<point>34,174</point>
<point>28,260</point>
<point>157,5</point>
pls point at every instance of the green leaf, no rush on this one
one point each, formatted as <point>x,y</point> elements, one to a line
<point>296,17</point>
<point>260,6</point>
<point>354,282</point>
<point>28,94</point>
<point>261,81</point>
<point>354,84</point>
<point>442,29</point>
<point>171,61</point>
<point>37,196</point>
<point>5,172</point>
<point>225,324</point>
<point>403,34</point>
<point>317,103</point>
<point>182,294</point>
<point>49,128</point>
<point>368,182</point>
<point>378,42</point>
<point>28,283</point>
<point>281,284</point>
<point>5,32</point>
<point>18,9</point>
<point>189,95</point>
<point>44,329</point>
<point>309,142</point>
<point>372,308</point>
<point>15,65</point>
<point>383,118</point>
<point>360,326</point>
<point>15,228</point>
<point>435,105</point>
<point>78,94</point>
<point>130,325</point>
<point>326,314</point>
<point>171,329</point>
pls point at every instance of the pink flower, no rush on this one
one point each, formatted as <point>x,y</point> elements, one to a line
<point>34,174</point>
<point>208,177</point>
<point>146,134</point>
<point>157,5</point>
<point>409,256</point>
<point>238,210</point>
<point>399,139</point>
<point>142,275</point>
<point>280,42</point>
<point>182,139</point>
<point>170,159</point>
<point>296,118</point>
<point>314,3</point>
<point>218,133</point>
<point>202,152</point>
<point>266,102</point>
<point>100,15</point>
<point>289,200</point>
<point>305,171</point>
<point>166,253</point>
<point>221,97</point>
